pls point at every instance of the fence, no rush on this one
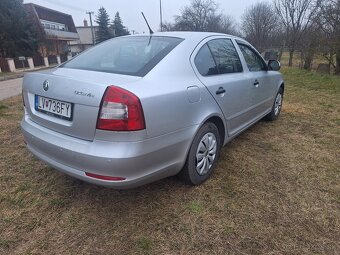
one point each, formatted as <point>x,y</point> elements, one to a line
<point>14,64</point>
<point>52,60</point>
<point>4,65</point>
<point>63,58</point>
<point>20,63</point>
<point>38,60</point>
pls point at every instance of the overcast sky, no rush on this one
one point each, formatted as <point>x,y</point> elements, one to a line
<point>130,11</point>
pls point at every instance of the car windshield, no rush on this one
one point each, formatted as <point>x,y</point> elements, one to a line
<point>134,55</point>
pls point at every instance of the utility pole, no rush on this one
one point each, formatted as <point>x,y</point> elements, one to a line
<point>90,14</point>
<point>161,14</point>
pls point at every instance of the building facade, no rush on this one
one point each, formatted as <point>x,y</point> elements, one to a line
<point>86,40</point>
<point>55,31</point>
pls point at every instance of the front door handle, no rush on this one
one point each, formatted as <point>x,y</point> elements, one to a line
<point>256,83</point>
<point>220,90</point>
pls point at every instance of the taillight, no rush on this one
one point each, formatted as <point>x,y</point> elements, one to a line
<point>120,110</point>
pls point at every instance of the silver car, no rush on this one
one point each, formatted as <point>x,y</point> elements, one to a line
<point>136,109</point>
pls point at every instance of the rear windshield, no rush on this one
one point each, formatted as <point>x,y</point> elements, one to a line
<point>134,56</point>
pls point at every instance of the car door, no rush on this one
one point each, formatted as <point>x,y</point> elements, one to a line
<point>263,82</point>
<point>218,66</point>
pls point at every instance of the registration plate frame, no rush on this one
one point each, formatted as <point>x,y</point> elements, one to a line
<point>50,112</point>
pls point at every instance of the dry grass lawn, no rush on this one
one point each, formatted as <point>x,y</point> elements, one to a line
<point>276,190</point>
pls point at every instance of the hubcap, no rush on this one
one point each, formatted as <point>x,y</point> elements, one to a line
<point>206,153</point>
<point>278,104</point>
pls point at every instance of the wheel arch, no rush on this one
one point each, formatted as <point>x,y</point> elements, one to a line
<point>220,126</point>
<point>283,87</point>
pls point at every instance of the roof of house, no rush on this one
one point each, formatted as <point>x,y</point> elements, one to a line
<point>38,13</point>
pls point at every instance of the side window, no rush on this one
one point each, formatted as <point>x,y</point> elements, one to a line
<point>225,55</point>
<point>253,60</point>
<point>204,62</point>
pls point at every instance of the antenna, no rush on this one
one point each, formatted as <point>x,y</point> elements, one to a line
<point>150,30</point>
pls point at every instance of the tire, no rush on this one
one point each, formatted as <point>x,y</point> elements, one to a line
<point>277,106</point>
<point>201,162</point>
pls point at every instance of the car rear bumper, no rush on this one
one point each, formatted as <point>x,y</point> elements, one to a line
<point>138,162</point>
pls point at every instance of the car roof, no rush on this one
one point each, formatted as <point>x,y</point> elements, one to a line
<point>189,34</point>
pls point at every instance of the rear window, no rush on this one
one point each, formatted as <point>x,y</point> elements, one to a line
<point>134,56</point>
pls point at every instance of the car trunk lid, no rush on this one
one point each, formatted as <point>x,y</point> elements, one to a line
<point>82,89</point>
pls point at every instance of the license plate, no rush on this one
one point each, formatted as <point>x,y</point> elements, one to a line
<point>52,107</point>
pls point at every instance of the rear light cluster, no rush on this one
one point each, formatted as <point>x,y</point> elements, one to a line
<point>120,110</point>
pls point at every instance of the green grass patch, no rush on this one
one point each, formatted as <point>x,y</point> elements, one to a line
<point>195,207</point>
<point>3,109</point>
<point>145,244</point>
<point>311,80</point>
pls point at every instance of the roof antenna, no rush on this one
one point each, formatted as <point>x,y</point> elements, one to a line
<point>150,30</point>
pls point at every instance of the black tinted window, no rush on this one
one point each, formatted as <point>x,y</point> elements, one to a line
<point>225,55</point>
<point>253,60</point>
<point>204,62</point>
<point>126,55</point>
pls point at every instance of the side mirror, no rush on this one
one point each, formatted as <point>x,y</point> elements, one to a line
<point>274,65</point>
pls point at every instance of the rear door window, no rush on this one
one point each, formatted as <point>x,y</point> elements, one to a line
<point>225,55</point>
<point>205,62</point>
<point>135,55</point>
<point>218,56</point>
<point>254,62</point>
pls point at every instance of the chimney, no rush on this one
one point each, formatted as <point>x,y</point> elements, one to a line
<point>85,23</point>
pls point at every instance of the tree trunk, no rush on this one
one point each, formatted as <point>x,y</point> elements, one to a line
<point>308,63</point>
<point>308,60</point>
<point>280,52</point>
<point>337,64</point>
<point>291,53</point>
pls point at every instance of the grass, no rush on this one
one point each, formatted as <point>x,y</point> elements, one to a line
<point>298,62</point>
<point>275,191</point>
<point>2,109</point>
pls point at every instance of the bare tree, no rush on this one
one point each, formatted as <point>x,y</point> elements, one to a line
<point>167,26</point>
<point>195,17</point>
<point>296,16</point>
<point>329,22</point>
<point>203,15</point>
<point>260,25</point>
<point>222,23</point>
<point>311,43</point>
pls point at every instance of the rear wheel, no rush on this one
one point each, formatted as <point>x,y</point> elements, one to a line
<point>274,114</point>
<point>203,155</point>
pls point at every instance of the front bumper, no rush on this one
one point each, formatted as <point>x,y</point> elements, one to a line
<point>138,162</point>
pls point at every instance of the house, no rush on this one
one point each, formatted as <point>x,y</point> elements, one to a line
<point>86,39</point>
<point>55,32</point>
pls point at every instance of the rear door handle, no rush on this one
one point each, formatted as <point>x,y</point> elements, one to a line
<point>256,83</point>
<point>220,90</point>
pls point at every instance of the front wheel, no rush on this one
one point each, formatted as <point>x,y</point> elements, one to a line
<point>275,112</point>
<point>203,155</point>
